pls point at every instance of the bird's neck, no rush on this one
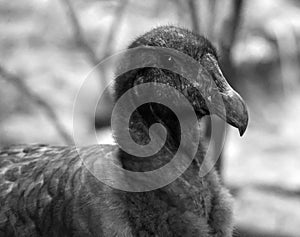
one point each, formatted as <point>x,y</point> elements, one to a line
<point>140,133</point>
<point>181,201</point>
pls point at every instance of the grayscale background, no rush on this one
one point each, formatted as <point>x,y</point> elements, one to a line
<point>48,47</point>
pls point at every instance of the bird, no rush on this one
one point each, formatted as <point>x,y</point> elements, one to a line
<point>48,190</point>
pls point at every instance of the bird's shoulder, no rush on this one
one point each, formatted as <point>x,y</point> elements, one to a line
<point>25,165</point>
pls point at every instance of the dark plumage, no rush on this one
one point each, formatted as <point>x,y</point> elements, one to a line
<point>47,191</point>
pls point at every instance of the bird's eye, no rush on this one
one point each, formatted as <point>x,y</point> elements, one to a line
<point>168,61</point>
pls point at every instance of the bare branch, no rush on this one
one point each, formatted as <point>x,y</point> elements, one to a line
<point>106,51</point>
<point>211,19</point>
<point>23,88</point>
<point>83,43</point>
<point>79,36</point>
<point>226,41</point>
<point>229,29</point>
<point>194,15</point>
<point>114,28</point>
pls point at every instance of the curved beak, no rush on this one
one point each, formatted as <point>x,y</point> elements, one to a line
<point>232,108</point>
<point>236,113</point>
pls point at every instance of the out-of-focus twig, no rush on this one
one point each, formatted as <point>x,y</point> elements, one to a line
<point>82,41</point>
<point>106,50</point>
<point>114,29</point>
<point>79,36</point>
<point>287,47</point>
<point>211,19</point>
<point>226,41</point>
<point>194,15</point>
<point>23,88</point>
<point>229,29</point>
<point>181,8</point>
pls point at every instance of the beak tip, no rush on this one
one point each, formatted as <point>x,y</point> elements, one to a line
<point>237,115</point>
<point>242,131</point>
<point>244,125</point>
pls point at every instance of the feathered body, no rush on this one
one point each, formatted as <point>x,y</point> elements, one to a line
<point>48,191</point>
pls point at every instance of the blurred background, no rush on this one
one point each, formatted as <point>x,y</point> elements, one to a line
<point>47,49</point>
